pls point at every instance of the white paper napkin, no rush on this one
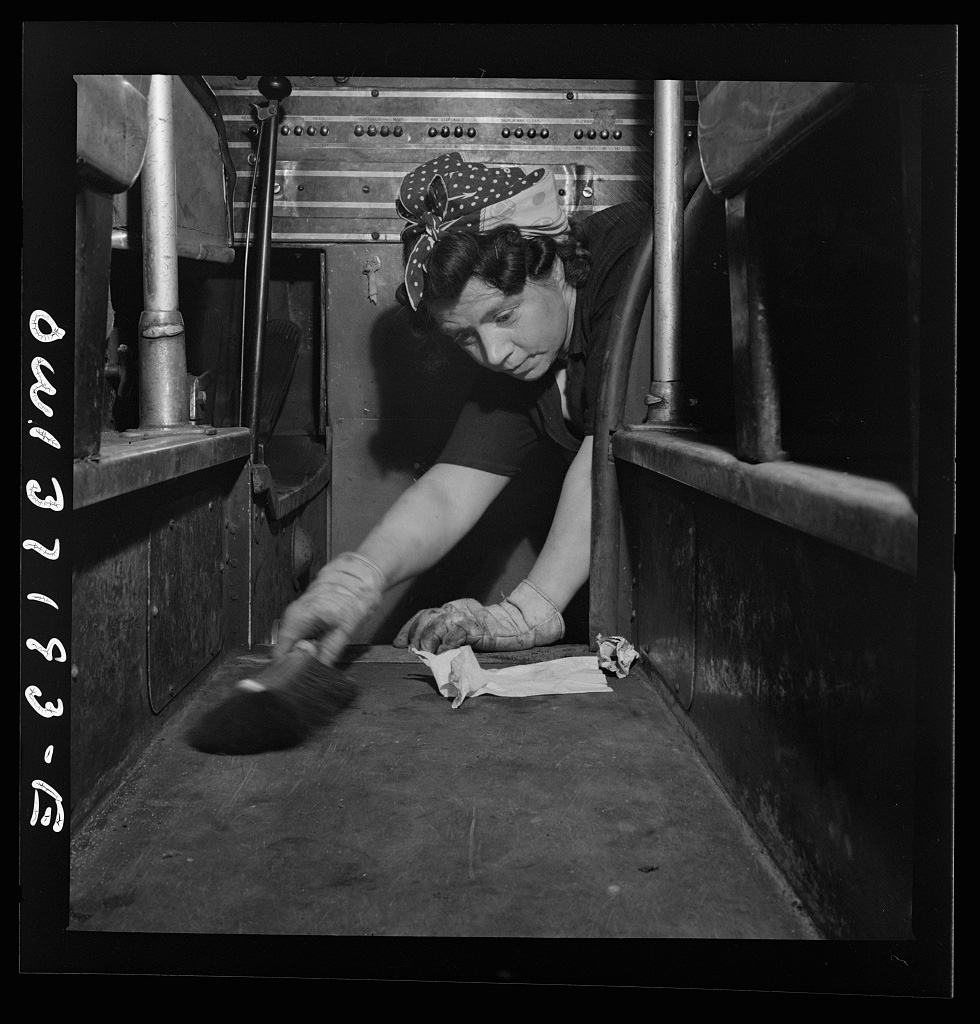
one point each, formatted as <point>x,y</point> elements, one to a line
<point>458,675</point>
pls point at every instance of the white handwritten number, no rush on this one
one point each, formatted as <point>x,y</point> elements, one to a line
<point>48,651</point>
<point>53,335</point>
<point>33,545</point>
<point>59,820</point>
<point>56,503</point>
<point>45,329</point>
<point>49,710</point>
<point>46,436</point>
<point>43,384</point>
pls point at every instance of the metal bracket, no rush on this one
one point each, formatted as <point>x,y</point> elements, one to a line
<point>277,505</point>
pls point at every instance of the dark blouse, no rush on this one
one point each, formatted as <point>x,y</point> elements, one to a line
<point>504,418</point>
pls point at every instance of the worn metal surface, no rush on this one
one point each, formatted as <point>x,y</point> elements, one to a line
<point>758,416</point>
<point>202,205</point>
<point>578,816</point>
<point>164,394</point>
<point>108,650</point>
<point>668,226</point>
<point>125,563</point>
<point>870,517</point>
<point>111,128</point>
<point>159,199</point>
<point>665,588</point>
<point>202,221</point>
<point>744,127</point>
<point>185,628</point>
<point>804,700</point>
<point>137,459</point>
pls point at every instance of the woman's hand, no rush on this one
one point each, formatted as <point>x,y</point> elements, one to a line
<point>525,619</point>
<point>345,591</point>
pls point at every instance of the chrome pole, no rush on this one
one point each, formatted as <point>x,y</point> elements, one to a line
<point>668,226</point>
<point>668,261</point>
<point>163,357</point>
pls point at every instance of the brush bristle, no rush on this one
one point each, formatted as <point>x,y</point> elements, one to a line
<point>296,696</point>
<point>248,722</point>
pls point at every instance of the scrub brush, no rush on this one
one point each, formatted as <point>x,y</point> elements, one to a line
<point>282,707</point>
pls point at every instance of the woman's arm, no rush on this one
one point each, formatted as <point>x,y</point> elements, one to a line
<point>423,524</point>
<point>563,565</point>
<point>429,519</point>
<point>531,615</point>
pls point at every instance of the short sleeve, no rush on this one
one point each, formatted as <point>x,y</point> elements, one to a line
<point>496,430</point>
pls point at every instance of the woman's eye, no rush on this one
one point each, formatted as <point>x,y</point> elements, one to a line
<point>504,317</point>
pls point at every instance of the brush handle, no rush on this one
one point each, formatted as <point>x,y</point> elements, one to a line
<point>302,660</point>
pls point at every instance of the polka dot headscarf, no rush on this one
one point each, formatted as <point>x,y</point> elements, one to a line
<point>447,195</point>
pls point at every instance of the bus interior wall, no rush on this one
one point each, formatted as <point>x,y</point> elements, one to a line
<point>773,630</point>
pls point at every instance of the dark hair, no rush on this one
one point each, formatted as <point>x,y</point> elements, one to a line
<point>502,258</point>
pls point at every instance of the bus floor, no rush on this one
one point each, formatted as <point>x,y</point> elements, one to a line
<point>574,815</point>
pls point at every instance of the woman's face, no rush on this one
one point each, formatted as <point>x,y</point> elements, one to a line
<point>520,335</point>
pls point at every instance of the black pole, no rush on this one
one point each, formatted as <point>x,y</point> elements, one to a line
<point>605,556</point>
<point>275,88</point>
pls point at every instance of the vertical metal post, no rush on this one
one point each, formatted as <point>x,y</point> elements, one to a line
<point>758,415</point>
<point>667,404</point>
<point>275,89</point>
<point>163,355</point>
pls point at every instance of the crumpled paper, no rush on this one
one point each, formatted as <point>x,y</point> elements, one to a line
<point>616,655</point>
<point>458,675</point>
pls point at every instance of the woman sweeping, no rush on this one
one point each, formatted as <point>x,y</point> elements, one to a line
<point>493,265</point>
